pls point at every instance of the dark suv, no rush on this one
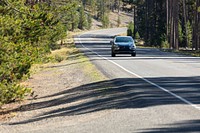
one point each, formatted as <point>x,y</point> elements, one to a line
<point>123,45</point>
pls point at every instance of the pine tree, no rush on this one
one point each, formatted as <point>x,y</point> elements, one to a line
<point>189,36</point>
<point>118,21</point>
<point>105,21</point>
<point>137,35</point>
<point>89,19</point>
<point>180,32</point>
<point>130,30</point>
<point>82,19</point>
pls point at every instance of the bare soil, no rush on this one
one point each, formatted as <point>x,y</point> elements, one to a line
<point>125,18</point>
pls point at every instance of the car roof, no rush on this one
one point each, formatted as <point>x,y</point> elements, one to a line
<point>124,36</point>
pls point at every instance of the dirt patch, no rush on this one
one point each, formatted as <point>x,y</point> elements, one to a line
<point>8,111</point>
<point>125,19</point>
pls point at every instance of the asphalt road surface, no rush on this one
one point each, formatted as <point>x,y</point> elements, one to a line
<point>153,92</point>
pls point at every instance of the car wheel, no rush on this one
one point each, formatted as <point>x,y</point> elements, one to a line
<point>113,54</point>
<point>134,54</point>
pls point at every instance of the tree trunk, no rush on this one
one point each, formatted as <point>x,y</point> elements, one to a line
<point>185,21</point>
<point>147,22</point>
<point>176,18</point>
<point>118,6</point>
<point>171,24</point>
<point>167,22</point>
<point>134,22</point>
<point>196,26</point>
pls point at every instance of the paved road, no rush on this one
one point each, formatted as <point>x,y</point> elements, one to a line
<point>153,92</point>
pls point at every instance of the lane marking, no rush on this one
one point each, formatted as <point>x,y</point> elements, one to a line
<point>146,80</point>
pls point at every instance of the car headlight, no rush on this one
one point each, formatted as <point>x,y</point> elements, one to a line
<point>116,47</point>
<point>132,47</point>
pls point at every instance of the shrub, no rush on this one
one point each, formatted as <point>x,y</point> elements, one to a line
<point>59,58</point>
<point>118,21</point>
<point>105,21</point>
<point>164,44</point>
<point>189,37</point>
<point>89,19</point>
<point>26,37</point>
<point>130,30</point>
<point>12,92</point>
<point>137,35</point>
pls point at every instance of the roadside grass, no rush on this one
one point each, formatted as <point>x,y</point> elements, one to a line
<point>184,52</point>
<point>90,70</point>
<point>68,53</point>
<point>189,52</point>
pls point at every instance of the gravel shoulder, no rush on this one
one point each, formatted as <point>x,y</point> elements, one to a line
<point>56,90</point>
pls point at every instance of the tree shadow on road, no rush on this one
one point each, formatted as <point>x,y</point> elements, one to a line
<point>182,127</point>
<point>122,93</point>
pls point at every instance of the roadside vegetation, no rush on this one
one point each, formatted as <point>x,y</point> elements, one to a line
<point>35,32</point>
<point>29,31</point>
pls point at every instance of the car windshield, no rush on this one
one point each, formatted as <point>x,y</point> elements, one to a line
<point>123,39</point>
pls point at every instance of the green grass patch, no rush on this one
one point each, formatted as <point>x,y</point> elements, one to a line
<point>189,52</point>
<point>67,55</point>
<point>90,70</point>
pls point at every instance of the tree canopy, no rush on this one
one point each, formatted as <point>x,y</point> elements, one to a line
<point>29,30</point>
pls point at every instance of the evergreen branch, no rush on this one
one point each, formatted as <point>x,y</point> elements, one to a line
<point>15,9</point>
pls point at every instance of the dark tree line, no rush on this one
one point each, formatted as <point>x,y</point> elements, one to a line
<point>168,23</point>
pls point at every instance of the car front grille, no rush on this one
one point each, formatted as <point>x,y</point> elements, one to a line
<point>124,48</point>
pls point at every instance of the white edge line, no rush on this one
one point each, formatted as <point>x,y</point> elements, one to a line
<point>146,80</point>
